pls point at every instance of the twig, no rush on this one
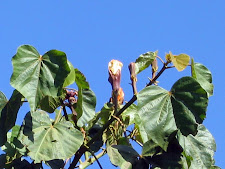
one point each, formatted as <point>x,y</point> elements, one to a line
<point>131,136</point>
<point>92,160</point>
<point>157,76</point>
<point>65,113</point>
<point>100,166</point>
<point>168,67</point>
<point>160,59</point>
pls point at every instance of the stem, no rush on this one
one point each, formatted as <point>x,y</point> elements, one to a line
<point>65,113</point>
<point>82,149</point>
<point>160,59</point>
<point>95,158</point>
<point>157,76</point>
<point>57,118</point>
<point>90,161</point>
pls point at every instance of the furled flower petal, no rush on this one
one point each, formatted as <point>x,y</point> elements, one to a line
<point>114,68</point>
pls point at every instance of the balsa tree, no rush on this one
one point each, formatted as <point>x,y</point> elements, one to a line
<point>167,125</point>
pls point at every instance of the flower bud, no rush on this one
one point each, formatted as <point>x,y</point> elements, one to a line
<point>120,96</point>
<point>132,71</point>
<point>114,68</point>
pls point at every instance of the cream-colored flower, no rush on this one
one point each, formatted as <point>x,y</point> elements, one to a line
<point>115,66</point>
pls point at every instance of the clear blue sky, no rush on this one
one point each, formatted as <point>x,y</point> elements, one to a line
<point>92,33</point>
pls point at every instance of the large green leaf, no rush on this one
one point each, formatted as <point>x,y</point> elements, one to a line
<point>189,101</point>
<point>122,156</point>
<point>156,113</point>
<point>47,140</point>
<point>203,76</point>
<point>200,148</point>
<point>144,61</point>
<point>8,114</point>
<point>35,76</point>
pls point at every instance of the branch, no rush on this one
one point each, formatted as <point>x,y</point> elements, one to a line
<point>82,149</point>
<point>157,76</point>
<point>160,59</point>
<point>65,113</point>
<point>92,160</point>
<point>95,158</point>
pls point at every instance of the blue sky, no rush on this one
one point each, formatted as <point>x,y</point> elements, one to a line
<point>92,33</point>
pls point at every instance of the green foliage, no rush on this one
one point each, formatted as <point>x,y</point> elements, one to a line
<point>203,76</point>
<point>85,106</point>
<point>144,61</point>
<point>122,156</point>
<point>51,139</point>
<point>36,76</point>
<point>166,124</point>
<point>9,113</point>
<point>156,115</point>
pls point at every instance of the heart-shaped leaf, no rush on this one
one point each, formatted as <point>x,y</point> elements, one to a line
<point>35,76</point>
<point>180,61</point>
<point>156,113</point>
<point>47,140</point>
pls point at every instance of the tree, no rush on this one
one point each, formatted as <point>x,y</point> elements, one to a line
<point>166,124</point>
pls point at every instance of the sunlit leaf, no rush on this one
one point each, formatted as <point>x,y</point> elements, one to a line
<point>81,80</point>
<point>85,106</point>
<point>156,113</point>
<point>122,156</point>
<point>3,101</point>
<point>189,101</point>
<point>203,76</point>
<point>70,79</point>
<point>8,114</point>
<point>46,140</point>
<point>36,76</point>
<point>144,61</point>
<point>200,147</point>
<point>180,61</point>
<point>131,113</point>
